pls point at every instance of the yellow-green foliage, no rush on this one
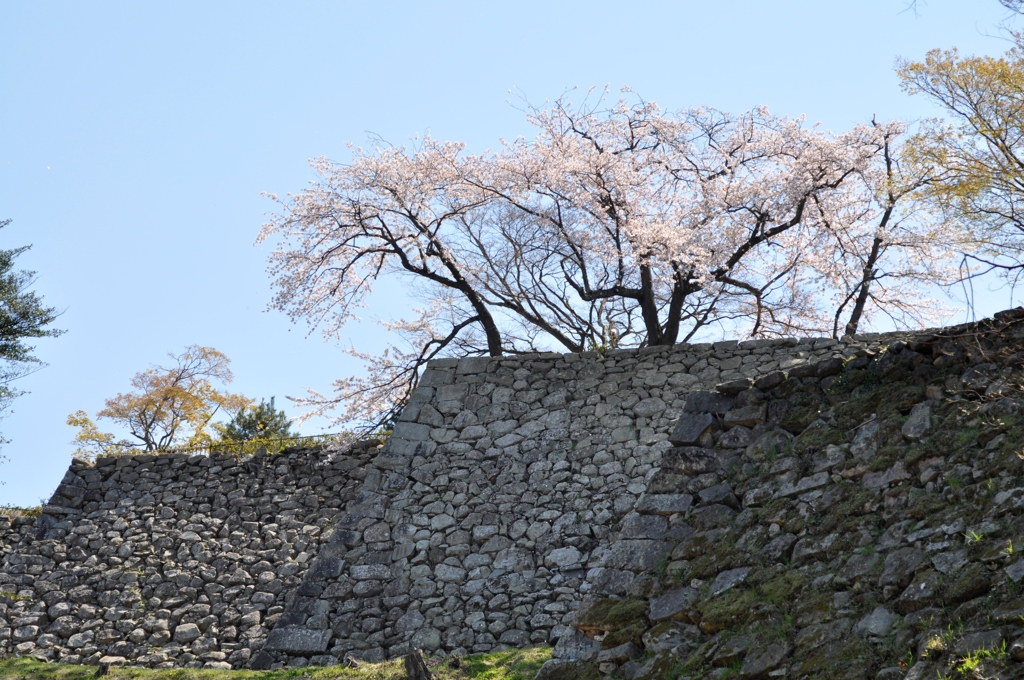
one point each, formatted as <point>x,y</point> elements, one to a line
<point>513,664</point>
<point>10,512</point>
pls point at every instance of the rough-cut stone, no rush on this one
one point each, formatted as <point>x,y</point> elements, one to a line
<point>298,640</point>
<point>692,429</point>
<point>576,647</point>
<point>736,438</point>
<point>733,387</point>
<point>919,421</point>
<point>899,567</point>
<point>636,554</point>
<point>618,654</point>
<point>187,632</point>
<point>779,548</point>
<point>977,378</point>
<point>1015,571</point>
<point>746,416</point>
<point>730,578</point>
<point>760,665</point>
<point>985,640</point>
<point>664,504</point>
<point>878,623</point>
<point>674,604</point>
<point>802,485</point>
<point>707,402</point>
<point>880,480</point>
<point>865,442</point>
<point>719,493</point>
<point>563,558</point>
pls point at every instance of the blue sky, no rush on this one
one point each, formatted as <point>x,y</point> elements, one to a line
<point>136,139</point>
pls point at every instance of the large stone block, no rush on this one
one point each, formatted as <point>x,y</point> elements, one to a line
<point>300,641</point>
<point>692,429</point>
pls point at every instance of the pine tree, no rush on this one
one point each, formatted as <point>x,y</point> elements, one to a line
<point>22,315</point>
<point>260,422</point>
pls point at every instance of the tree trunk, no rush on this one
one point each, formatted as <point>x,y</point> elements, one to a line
<point>415,667</point>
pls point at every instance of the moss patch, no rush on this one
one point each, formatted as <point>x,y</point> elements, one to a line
<point>622,620</point>
<point>731,610</point>
<point>780,589</point>
<point>973,582</point>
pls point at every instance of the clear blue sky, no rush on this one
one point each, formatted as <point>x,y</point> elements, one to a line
<point>136,139</point>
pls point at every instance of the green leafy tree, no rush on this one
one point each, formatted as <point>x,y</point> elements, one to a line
<point>980,148</point>
<point>258,422</point>
<point>22,317</point>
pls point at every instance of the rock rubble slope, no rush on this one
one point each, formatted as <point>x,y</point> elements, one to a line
<point>860,518</point>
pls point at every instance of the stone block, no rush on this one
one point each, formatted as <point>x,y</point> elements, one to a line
<point>713,516</point>
<point>779,548</point>
<point>707,402</point>
<point>736,438</point>
<point>471,365</point>
<point>664,503</point>
<point>675,604</point>
<point>880,480</point>
<point>563,558</point>
<point>300,641</point>
<point>367,572</point>
<point>985,640</point>
<point>719,493</point>
<point>576,646</point>
<point>325,568</point>
<point>918,422</point>
<point>636,554</point>
<point>730,578</point>
<point>187,632</point>
<point>803,484</point>
<point>746,416</point>
<point>760,665</point>
<point>635,525</point>
<point>692,429</point>
<point>878,623</point>
<point>734,387</point>
<point>618,654</point>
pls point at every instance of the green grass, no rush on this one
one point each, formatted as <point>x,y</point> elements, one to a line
<point>512,664</point>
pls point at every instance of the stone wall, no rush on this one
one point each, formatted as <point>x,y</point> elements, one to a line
<point>509,492</point>
<point>511,489</point>
<point>169,560</point>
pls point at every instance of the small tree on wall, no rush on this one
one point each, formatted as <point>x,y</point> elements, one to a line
<point>256,422</point>
<point>171,406</point>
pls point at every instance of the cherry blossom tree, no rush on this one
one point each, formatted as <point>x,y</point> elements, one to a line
<point>616,225</point>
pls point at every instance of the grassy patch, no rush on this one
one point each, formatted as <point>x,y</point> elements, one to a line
<point>10,511</point>
<point>731,610</point>
<point>781,589</point>
<point>512,664</point>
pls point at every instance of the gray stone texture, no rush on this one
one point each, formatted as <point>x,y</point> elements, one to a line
<point>511,489</point>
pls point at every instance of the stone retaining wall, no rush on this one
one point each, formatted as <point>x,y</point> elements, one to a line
<point>507,493</point>
<point>169,560</point>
